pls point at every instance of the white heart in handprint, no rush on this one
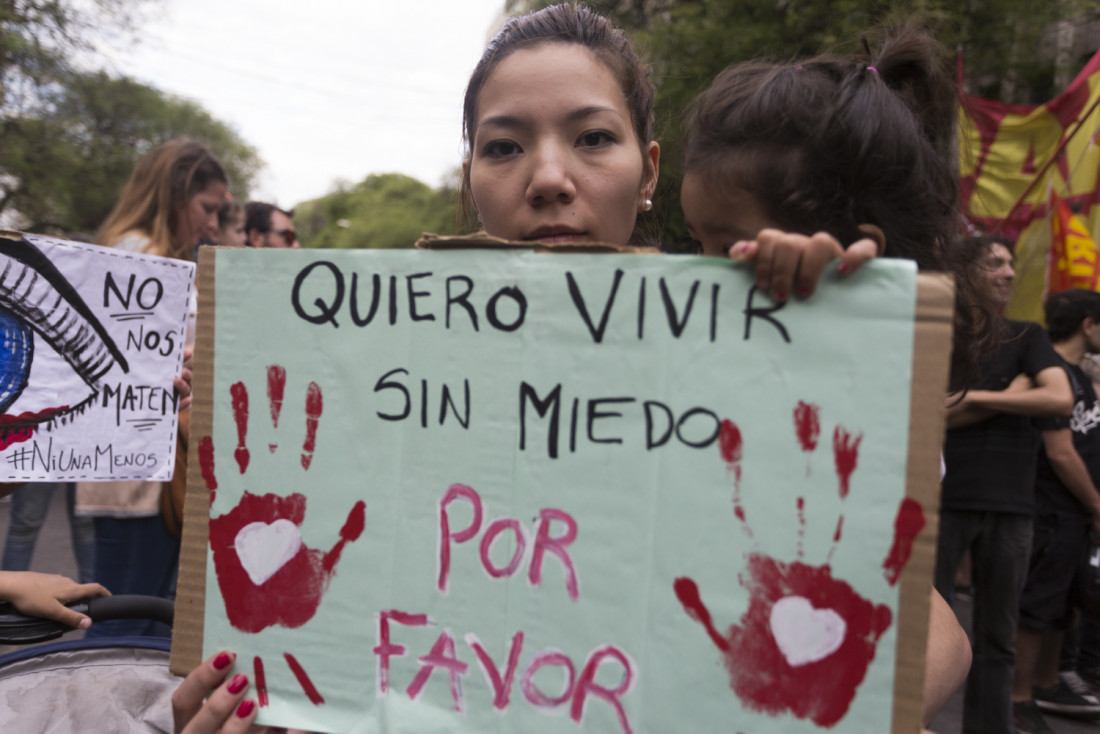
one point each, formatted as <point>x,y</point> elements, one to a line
<point>804,634</point>
<point>263,548</point>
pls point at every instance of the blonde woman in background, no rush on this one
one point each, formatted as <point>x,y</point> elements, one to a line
<point>170,203</point>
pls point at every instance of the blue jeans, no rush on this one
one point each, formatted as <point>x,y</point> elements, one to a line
<point>135,555</point>
<point>29,506</point>
<point>1000,546</point>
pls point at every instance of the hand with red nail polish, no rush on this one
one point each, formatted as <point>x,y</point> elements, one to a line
<point>787,262</point>
<point>212,700</point>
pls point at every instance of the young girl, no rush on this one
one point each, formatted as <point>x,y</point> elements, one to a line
<point>231,224</point>
<point>835,150</point>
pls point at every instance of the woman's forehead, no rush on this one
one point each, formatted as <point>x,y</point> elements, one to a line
<point>549,79</point>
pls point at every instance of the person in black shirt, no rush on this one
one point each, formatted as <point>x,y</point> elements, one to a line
<point>988,488</point>
<point>1067,505</point>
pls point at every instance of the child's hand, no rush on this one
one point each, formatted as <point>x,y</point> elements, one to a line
<point>183,382</point>
<point>786,261</point>
<point>45,594</point>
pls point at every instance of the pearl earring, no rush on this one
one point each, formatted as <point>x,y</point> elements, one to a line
<point>647,205</point>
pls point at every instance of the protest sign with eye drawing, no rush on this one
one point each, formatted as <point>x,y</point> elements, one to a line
<point>91,339</point>
<point>499,490</point>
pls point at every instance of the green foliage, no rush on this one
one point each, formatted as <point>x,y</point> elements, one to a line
<point>71,138</point>
<point>689,41</point>
<point>66,160</point>
<point>383,211</point>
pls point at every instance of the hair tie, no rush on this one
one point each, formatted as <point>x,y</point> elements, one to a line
<point>873,70</point>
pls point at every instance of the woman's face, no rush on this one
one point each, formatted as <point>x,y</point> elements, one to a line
<point>198,220</point>
<point>554,156</point>
<point>232,234</point>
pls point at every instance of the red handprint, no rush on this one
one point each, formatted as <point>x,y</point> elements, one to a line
<point>266,574</point>
<point>805,641</point>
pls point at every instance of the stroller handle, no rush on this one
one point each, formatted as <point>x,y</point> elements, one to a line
<point>19,629</point>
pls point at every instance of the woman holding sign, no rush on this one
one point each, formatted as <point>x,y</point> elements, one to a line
<point>168,205</point>
<point>558,119</point>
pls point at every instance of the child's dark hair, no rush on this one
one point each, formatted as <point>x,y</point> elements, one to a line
<point>831,143</point>
<point>229,212</point>
<point>1066,310</point>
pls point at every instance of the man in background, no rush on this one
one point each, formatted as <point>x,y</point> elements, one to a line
<point>266,225</point>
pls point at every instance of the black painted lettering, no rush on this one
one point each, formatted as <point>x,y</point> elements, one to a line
<point>752,312</point>
<point>353,300</point>
<point>326,312</point>
<point>595,414</point>
<point>109,285</point>
<point>384,383</point>
<point>711,419</point>
<point>714,311</point>
<point>650,406</point>
<point>446,400</point>
<point>597,332</point>
<point>552,405</point>
<point>462,299</point>
<point>154,299</point>
<point>414,294</point>
<point>675,325</point>
<point>521,309</point>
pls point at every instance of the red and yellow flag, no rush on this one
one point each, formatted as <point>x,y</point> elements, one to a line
<point>1073,261</point>
<point>1004,152</point>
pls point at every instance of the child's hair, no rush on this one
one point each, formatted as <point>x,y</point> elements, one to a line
<point>161,185</point>
<point>1066,310</point>
<point>831,143</point>
<point>230,211</point>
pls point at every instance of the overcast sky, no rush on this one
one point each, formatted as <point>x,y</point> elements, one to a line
<point>324,89</point>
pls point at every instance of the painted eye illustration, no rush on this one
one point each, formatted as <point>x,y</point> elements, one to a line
<point>40,308</point>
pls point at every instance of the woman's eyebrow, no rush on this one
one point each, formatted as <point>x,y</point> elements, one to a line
<point>501,121</point>
<point>513,121</point>
<point>582,112</point>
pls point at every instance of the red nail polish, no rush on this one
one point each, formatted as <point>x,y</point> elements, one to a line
<point>240,680</point>
<point>842,268</point>
<point>803,292</point>
<point>222,661</point>
<point>245,708</point>
<point>781,296</point>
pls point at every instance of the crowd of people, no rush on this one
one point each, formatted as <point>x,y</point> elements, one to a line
<point>789,167</point>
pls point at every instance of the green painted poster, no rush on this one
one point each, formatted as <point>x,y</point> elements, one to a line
<point>501,491</point>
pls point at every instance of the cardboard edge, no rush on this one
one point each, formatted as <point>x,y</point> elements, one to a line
<point>187,628</point>
<point>482,241</point>
<point>931,346</point>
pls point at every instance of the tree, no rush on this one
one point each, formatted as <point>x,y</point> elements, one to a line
<point>1009,46</point>
<point>65,161</point>
<point>38,37</point>
<point>383,211</point>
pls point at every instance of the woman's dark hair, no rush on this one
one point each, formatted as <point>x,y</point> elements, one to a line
<point>831,143</point>
<point>572,24</point>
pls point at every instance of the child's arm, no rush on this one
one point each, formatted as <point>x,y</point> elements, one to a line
<point>787,262</point>
<point>45,594</point>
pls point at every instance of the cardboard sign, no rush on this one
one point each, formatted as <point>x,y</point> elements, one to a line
<point>92,339</point>
<point>474,491</point>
